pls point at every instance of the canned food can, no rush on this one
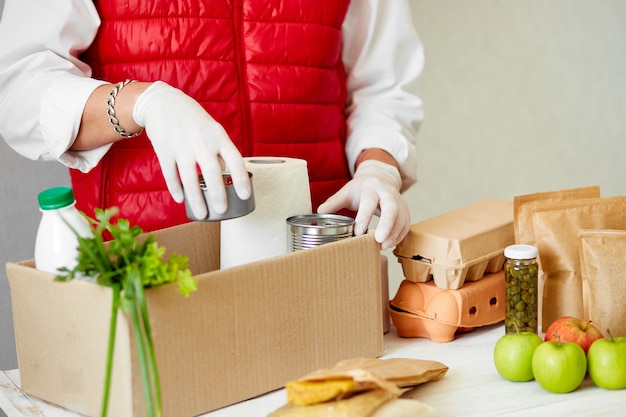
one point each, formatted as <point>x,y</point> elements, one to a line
<point>307,231</point>
<point>236,206</point>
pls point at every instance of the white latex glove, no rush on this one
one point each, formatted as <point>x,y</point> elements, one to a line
<point>374,190</point>
<point>183,134</point>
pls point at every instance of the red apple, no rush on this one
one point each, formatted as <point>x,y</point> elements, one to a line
<point>572,329</point>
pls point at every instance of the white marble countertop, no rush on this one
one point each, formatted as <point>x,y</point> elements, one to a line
<point>472,387</point>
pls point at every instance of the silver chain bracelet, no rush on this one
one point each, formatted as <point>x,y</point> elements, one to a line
<point>111,112</point>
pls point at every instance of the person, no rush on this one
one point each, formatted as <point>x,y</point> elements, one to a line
<point>139,97</point>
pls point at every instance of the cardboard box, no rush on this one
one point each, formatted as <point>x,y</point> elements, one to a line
<point>246,331</point>
<point>458,246</point>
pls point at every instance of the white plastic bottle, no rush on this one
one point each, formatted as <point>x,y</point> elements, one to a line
<point>56,243</point>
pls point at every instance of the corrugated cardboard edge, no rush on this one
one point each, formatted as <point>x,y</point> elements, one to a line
<point>322,321</point>
<point>59,355</point>
<point>235,338</point>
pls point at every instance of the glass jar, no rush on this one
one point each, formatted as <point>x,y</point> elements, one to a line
<point>521,289</point>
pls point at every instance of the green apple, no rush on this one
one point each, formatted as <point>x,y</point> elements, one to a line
<point>606,362</point>
<point>513,355</point>
<point>559,367</point>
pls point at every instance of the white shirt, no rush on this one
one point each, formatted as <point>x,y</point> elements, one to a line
<point>44,86</point>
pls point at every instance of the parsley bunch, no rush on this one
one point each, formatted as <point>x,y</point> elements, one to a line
<point>128,266</point>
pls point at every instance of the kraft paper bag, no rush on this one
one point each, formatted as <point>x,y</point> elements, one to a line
<point>523,208</point>
<point>361,374</point>
<point>361,387</point>
<point>556,229</point>
<point>376,403</point>
<point>361,405</point>
<point>603,269</point>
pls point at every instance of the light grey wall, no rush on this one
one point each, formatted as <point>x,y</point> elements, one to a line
<point>520,97</point>
<point>20,181</point>
<point>7,360</point>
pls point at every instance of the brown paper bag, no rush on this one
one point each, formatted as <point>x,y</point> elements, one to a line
<point>556,229</point>
<point>361,374</point>
<point>360,387</point>
<point>603,269</point>
<point>376,403</point>
<point>400,407</point>
<point>523,208</point>
<point>361,405</point>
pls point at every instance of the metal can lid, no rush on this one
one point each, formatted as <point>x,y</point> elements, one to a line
<point>321,224</point>
<point>521,252</point>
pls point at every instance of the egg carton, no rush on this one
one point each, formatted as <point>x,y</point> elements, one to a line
<point>421,309</point>
<point>458,246</point>
<point>419,270</point>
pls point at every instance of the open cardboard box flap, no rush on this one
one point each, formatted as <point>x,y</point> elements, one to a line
<point>246,331</point>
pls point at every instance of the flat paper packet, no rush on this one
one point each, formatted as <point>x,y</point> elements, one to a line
<point>374,403</point>
<point>603,268</point>
<point>358,387</point>
<point>556,229</point>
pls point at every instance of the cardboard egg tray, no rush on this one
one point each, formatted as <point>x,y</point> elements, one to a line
<point>458,246</point>
<point>421,309</point>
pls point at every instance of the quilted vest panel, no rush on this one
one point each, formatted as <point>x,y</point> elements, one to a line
<point>269,71</point>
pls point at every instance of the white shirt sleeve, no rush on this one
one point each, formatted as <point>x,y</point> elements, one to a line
<point>43,85</point>
<point>384,58</point>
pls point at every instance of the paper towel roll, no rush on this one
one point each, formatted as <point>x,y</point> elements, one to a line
<point>281,190</point>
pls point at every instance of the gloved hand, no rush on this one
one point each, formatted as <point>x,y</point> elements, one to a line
<point>183,134</point>
<point>374,189</point>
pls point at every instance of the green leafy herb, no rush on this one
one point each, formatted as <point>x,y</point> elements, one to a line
<point>128,266</point>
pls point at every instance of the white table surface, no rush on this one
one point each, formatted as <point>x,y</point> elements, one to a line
<point>472,387</point>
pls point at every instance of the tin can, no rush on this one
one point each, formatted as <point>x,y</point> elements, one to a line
<point>307,231</point>
<point>236,206</point>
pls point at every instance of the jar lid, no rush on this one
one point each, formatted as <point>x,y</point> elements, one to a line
<point>56,197</point>
<point>520,252</point>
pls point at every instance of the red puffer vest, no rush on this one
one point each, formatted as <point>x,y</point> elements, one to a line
<point>270,71</point>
